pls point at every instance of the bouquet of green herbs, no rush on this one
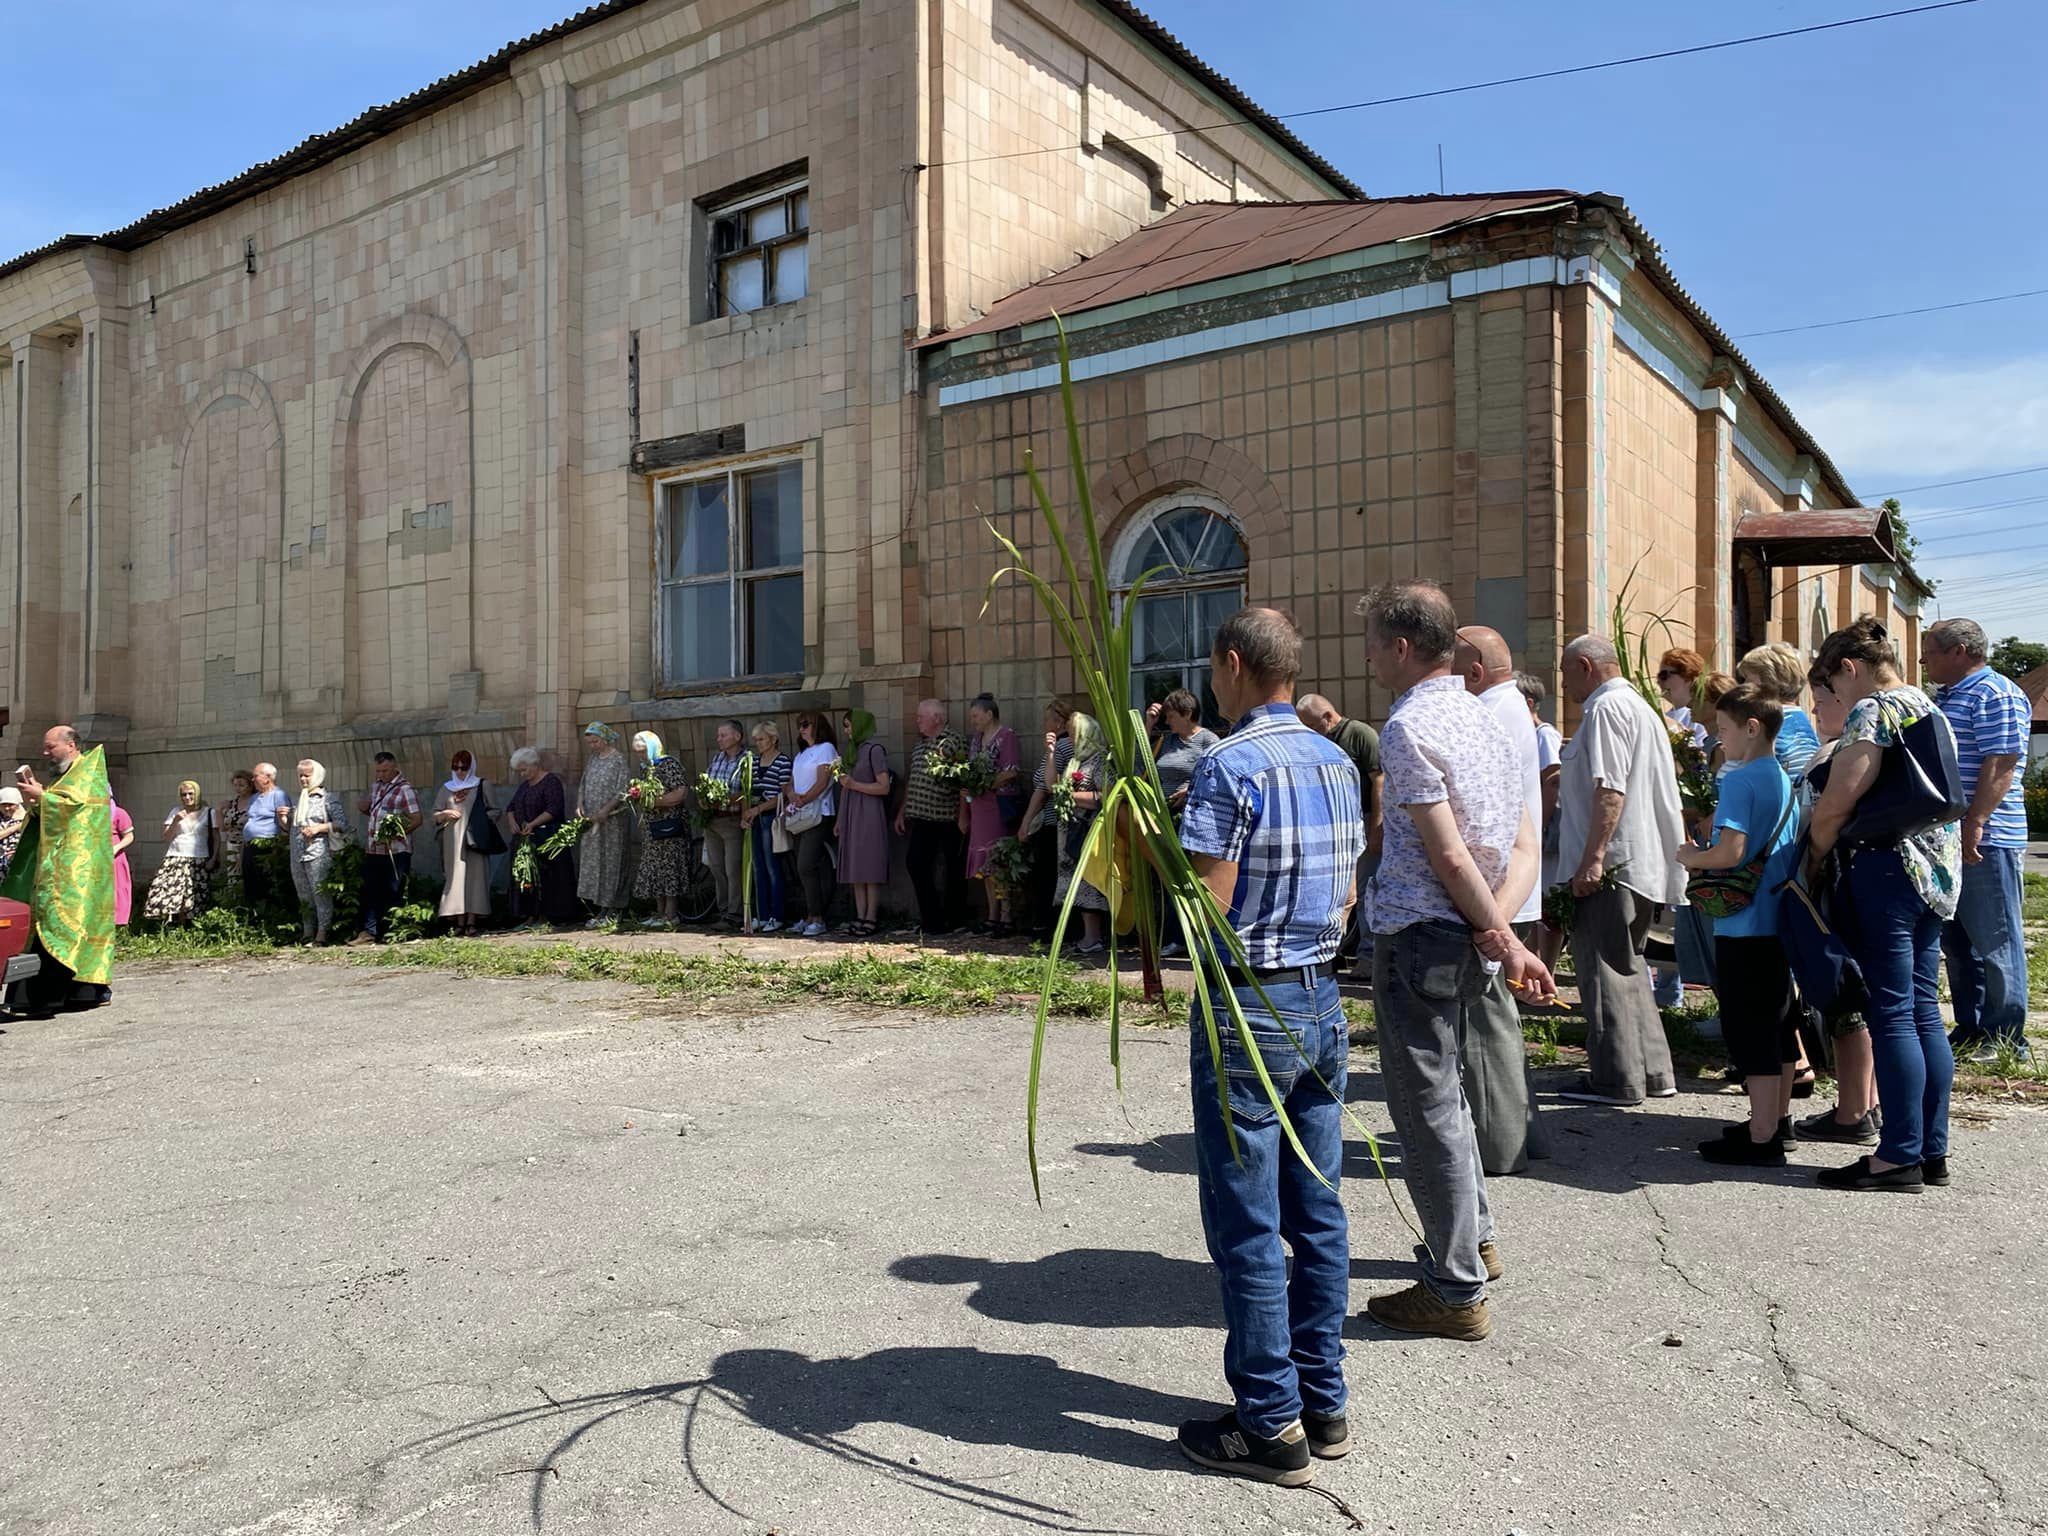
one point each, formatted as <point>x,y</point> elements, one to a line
<point>1008,865</point>
<point>564,837</point>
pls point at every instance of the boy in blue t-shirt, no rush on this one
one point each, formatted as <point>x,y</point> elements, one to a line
<point>1754,821</point>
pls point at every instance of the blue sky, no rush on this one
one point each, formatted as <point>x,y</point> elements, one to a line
<point>1874,168</point>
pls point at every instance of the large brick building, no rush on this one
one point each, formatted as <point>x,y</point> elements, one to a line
<point>658,368</point>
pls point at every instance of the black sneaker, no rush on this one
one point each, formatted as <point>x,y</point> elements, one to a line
<point>1329,1435</point>
<point>1859,1175</point>
<point>1741,1152</point>
<point>1222,1446</point>
<point>1825,1127</point>
<point>1788,1134</point>
<point>1933,1170</point>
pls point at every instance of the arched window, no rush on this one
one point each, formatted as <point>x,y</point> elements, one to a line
<point>1197,554</point>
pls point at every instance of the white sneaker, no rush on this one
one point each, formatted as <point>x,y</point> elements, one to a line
<point>1662,1093</point>
<point>812,930</point>
<point>768,925</point>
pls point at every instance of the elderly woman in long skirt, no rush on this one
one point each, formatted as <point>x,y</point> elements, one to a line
<point>319,821</point>
<point>538,809</point>
<point>604,875</point>
<point>179,892</point>
<point>663,873</point>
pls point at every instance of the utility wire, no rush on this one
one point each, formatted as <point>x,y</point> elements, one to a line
<point>1893,314</point>
<point>1941,485</point>
<point>1487,85</point>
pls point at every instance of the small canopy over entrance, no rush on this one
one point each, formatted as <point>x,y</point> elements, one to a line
<point>1840,536</point>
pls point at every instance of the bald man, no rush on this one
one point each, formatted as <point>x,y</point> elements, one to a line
<point>1493,1057</point>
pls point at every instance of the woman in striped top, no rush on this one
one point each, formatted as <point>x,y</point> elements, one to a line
<point>771,777</point>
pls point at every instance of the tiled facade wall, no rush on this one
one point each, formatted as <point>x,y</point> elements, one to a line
<point>1652,496</point>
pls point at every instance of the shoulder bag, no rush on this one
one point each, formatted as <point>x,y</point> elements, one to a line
<point>1725,892</point>
<point>480,832</point>
<point>1919,786</point>
<point>1830,980</point>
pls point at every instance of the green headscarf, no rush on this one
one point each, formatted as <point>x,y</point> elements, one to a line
<point>1086,732</point>
<point>863,728</point>
<point>602,732</point>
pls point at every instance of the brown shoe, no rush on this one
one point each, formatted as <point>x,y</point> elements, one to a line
<point>1418,1310</point>
<point>1490,1257</point>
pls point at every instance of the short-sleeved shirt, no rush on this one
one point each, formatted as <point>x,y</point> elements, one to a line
<point>1176,758</point>
<point>263,808</point>
<point>771,777</point>
<point>398,798</point>
<point>1280,802</point>
<point>1756,800</point>
<point>1442,745</point>
<point>1992,717</point>
<point>810,763</point>
<point>1361,743</point>
<point>924,797</point>
<point>1622,744</point>
<point>1934,858</point>
<point>1797,742</point>
<point>1512,711</point>
<point>1549,746</point>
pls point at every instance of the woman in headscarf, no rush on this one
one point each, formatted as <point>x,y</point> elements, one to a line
<point>465,868</point>
<point>604,859</point>
<point>319,821</point>
<point>538,808</point>
<point>864,821</point>
<point>180,889</point>
<point>663,872</point>
<point>13,818</point>
<point>1088,773</point>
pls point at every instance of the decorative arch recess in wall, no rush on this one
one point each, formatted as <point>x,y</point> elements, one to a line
<point>404,510</point>
<point>224,561</point>
<point>1133,485</point>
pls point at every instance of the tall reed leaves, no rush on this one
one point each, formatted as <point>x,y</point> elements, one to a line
<point>1131,847</point>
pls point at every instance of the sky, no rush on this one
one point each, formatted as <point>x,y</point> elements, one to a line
<point>1876,168</point>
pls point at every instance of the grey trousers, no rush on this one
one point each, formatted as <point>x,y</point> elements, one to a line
<point>724,839</point>
<point>316,907</point>
<point>1626,1052</point>
<point>1426,982</point>
<point>1495,1066</point>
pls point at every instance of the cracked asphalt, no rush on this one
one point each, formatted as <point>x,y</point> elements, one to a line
<point>300,1250</point>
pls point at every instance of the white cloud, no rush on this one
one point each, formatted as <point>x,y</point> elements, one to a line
<point>1928,419</point>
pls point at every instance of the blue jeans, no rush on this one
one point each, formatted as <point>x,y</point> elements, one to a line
<point>767,871</point>
<point>1284,1348</point>
<point>1897,940</point>
<point>1987,952</point>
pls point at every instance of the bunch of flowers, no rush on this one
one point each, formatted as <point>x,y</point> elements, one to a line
<point>564,837</point>
<point>1698,792</point>
<point>971,775</point>
<point>1561,904</point>
<point>644,795</point>
<point>714,797</point>
<point>1060,798</point>
<point>525,866</point>
<point>1009,865</point>
<point>392,827</point>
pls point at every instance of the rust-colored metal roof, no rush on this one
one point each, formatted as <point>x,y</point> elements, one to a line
<point>1838,536</point>
<point>1200,242</point>
<point>2035,686</point>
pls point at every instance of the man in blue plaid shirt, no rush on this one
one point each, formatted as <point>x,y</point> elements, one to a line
<point>1273,826</point>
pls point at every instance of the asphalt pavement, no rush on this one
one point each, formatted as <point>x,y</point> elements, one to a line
<point>302,1250</point>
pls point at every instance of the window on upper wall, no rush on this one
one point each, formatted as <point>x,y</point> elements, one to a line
<point>761,249</point>
<point>1197,559</point>
<point>732,581</point>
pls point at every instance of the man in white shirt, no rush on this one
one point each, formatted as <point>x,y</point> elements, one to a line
<point>1495,1061</point>
<point>1619,830</point>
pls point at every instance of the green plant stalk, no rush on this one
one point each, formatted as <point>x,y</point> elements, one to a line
<point>1101,648</point>
<point>746,844</point>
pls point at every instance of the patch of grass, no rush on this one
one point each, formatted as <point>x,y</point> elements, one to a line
<point>1361,1023</point>
<point>217,934</point>
<point>2034,898</point>
<point>928,982</point>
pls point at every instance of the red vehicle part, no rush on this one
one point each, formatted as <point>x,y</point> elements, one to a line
<point>15,934</point>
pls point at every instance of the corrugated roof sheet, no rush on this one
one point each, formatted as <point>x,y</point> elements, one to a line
<point>377,121</point>
<point>1200,242</point>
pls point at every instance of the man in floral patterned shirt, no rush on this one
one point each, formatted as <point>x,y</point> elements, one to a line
<point>1459,855</point>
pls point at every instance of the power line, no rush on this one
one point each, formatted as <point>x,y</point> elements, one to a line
<point>1486,85</point>
<point>1940,485</point>
<point>1893,314</point>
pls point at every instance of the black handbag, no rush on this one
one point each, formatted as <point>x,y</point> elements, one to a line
<point>480,833</point>
<point>664,828</point>
<point>1816,950</point>
<point>1919,786</point>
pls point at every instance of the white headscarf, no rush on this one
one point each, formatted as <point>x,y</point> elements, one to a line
<point>459,782</point>
<point>649,743</point>
<point>304,813</point>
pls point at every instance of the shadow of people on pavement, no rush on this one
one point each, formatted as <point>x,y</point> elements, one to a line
<point>1082,1287</point>
<point>969,1396</point>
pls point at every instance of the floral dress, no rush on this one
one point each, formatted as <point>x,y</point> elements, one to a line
<point>1934,858</point>
<point>604,858</point>
<point>1092,778</point>
<point>662,870</point>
